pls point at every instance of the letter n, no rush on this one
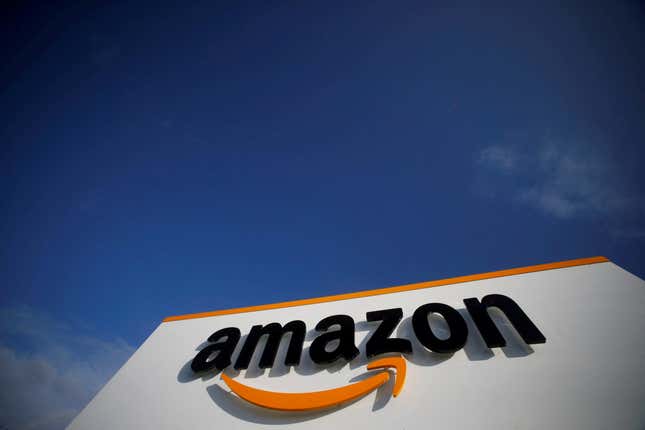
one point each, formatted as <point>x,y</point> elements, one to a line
<point>491,334</point>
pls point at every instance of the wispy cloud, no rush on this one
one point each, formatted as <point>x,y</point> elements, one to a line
<point>49,370</point>
<point>499,157</point>
<point>565,179</point>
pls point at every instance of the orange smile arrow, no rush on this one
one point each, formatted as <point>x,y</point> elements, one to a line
<point>326,398</point>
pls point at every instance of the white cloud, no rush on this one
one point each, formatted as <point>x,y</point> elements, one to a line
<point>566,179</point>
<point>550,201</point>
<point>629,233</point>
<point>50,370</point>
<point>498,156</point>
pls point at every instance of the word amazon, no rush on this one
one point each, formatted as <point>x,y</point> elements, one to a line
<point>336,340</point>
<point>222,343</point>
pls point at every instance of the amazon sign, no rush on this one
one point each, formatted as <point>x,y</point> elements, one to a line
<point>462,352</point>
<point>336,341</point>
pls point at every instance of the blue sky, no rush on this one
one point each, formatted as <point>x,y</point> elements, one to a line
<point>164,159</point>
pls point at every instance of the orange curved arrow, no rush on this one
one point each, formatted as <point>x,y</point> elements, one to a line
<point>326,398</point>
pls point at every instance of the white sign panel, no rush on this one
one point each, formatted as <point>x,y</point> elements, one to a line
<point>553,346</point>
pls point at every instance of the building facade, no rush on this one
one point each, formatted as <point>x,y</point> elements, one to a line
<point>557,345</point>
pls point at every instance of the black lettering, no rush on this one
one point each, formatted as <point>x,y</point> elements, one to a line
<point>493,338</point>
<point>224,350</point>
<point>380,341</point>
<point>456,323</point>
<point>345,335</point>
<point>275,332</point>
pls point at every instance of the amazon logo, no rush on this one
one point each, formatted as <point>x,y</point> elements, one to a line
<point>323,399</point>
<point>336,341</point>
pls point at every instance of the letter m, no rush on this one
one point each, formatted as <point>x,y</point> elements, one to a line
<point>274,333</point>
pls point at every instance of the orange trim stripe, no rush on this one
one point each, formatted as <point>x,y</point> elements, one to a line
<point>397,289</point>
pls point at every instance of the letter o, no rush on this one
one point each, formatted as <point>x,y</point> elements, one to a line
<point>456,324</point>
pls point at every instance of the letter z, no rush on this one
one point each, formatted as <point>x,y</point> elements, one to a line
<point>380,341</point>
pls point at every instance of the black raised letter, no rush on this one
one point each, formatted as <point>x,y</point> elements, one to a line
<point>224,350</point>
<point>456,323</point>
<point>493,338</point>
<point>380,342</point>
<point>275,332</point>
<point>345,336</point>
